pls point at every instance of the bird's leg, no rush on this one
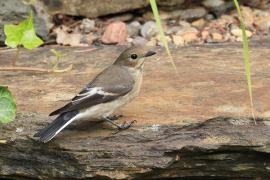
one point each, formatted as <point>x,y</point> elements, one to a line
<point>115,117</point>
<point>121,126</point>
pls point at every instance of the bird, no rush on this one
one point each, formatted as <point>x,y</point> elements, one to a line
<point>111,89</point>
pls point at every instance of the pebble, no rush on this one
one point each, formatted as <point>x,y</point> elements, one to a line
<point>149,29</point>
<point>194,13</point>
<point>167,38</point>
<point>87,25</point>
<point>184,24</point>
<point>172,30</point>
<point>248,16</point>
<point>189,37</point>
<point>263,23</point>
<point>205,34</point>
<point>178,40</point>
<point>91,38</point>
<point>115,33</point>
<point>198,23</point>
<point>187,30</point>
<point>152,42</point>
<point>212,3</point>
<point>258,12</point>
<point>237,32</point>
<point>133,28</point>
<point>217,37</point>
<point>139,41</point>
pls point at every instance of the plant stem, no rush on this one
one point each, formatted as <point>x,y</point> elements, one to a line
<point>13,63</point>
<point>16,68</point>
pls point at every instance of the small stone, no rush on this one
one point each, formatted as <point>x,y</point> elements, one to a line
<point>198,23</point>
<point>115,32</point>
<point>248,16</point>
<point>87,25</point>
<point>135,24</point>
<point>167,38</point>
<point>178,40</point>
<point>184,24</point>
<point>152,42</point>
<point>19,129</point>
<point>139,41</point>
<point>160,42</point>
<point>170,3</point>
<point>259,13</point>
<point>133,28</point>
<point>194,13</point>
<point>129,40</point>
<point>209,17</point>
<point>89,38</point>
<point>187,30</point>
<point>217,37</point>
<point>228,37</point>
<point>172,30</point>
<point>237,32</point>
<point>212,3</point>
<point>190,37</point>
<point>205,34</point>
<point>164,15</point>
<point>148,16</point>
<point>263,22</point>
<point>149,29</point>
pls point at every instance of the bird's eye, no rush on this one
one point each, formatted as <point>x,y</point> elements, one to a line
<point>133,56</point>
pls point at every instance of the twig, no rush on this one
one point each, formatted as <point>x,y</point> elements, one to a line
<point>13,63</point>
<point>85,50</point>
<point>18,68</point>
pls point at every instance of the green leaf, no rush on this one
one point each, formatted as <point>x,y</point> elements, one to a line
<point>7,106</point>
<point>13,35</point>
<point>161,32</point>
<point>22,34</point>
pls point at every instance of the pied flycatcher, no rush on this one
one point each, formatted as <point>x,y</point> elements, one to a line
<point>114,87</point>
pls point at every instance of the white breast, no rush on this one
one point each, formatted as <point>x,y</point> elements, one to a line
<point>106,109</point>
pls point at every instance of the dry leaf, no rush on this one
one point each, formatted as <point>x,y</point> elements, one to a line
<point>65,38</point>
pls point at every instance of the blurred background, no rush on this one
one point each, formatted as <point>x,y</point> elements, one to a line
<point>185,22</point>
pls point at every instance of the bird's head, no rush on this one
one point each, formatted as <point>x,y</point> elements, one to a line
<point>134,56</point>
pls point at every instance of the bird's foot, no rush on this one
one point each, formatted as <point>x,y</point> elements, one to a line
<point>115,117</point>
<point>120,127</point>
<point>124,126</point>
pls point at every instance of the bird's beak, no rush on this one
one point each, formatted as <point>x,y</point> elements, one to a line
<point>149,53</point>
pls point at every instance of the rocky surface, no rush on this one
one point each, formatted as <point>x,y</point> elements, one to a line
<point>14,11</point>
<point>183,26</point>
<point>194,125</point>
<point>93,8</point>
<point>220,148</point>
<point>109,7</point>
<point>185,22</point>
<point>211,77</point>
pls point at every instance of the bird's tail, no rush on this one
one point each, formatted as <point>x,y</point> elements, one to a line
<point>56,126</point>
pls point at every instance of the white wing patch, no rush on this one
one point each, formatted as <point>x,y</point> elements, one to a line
<point>93,91</point>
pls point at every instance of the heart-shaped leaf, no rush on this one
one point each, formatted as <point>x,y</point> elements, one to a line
<point>7,106</point>
<point>22,34</point>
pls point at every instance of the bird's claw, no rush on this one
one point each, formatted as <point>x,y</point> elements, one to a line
<point>124,126</point>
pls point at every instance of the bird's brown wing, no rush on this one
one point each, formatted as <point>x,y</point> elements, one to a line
<point>110,84</point>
